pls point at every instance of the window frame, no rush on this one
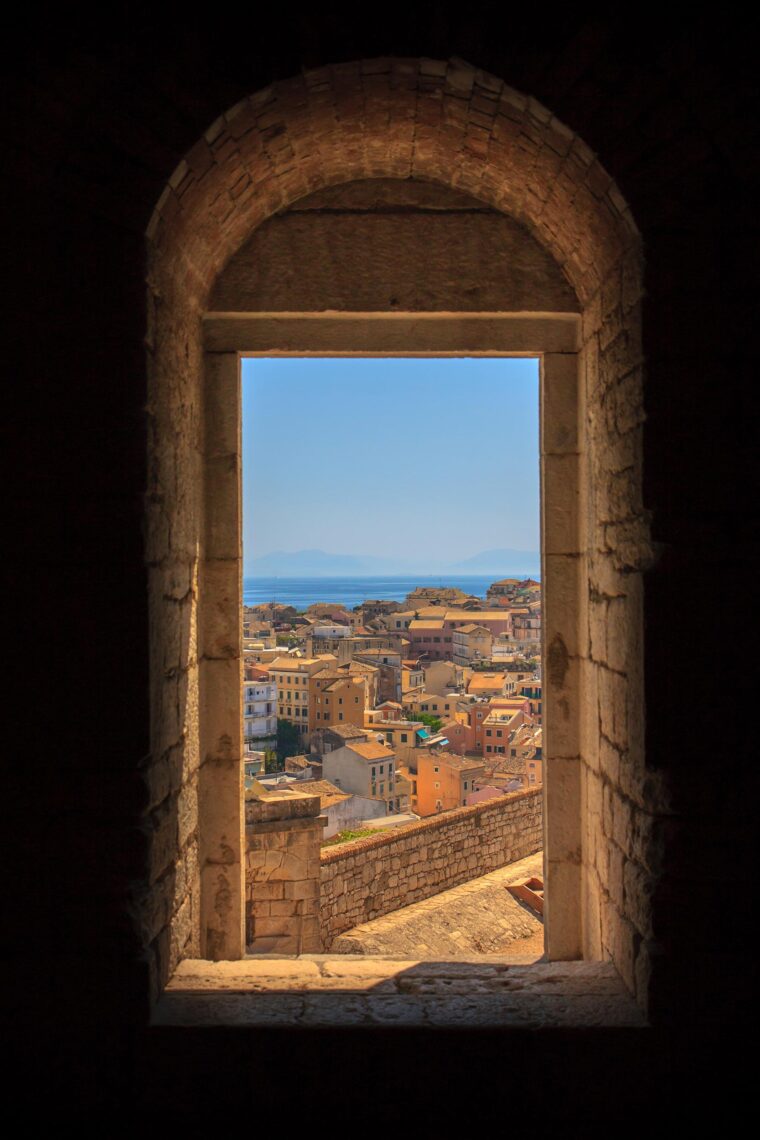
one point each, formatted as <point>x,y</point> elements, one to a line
<point>555,340</point>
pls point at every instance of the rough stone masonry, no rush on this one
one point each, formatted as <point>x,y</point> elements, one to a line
<point>298,901</point>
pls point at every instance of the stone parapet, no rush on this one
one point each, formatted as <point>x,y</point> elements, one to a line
<point>374,876</point>
<point>283,831</point>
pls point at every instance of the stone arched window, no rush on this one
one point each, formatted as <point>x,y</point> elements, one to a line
<point>559,276</point>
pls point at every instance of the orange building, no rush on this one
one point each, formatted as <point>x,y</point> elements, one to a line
<point>444,781</point>
<point>336,698</point>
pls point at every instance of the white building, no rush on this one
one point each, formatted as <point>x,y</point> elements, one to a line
<point>259,715</point>
<point>319,632</point>
<point>344,810</point>
<point>365,769</point>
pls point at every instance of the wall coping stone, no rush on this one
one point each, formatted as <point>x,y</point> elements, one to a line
<point>280,805</point>
<point>432,823</point>
<point>310,990</point>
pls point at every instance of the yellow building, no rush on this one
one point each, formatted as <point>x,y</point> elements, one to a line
<point>471,643</point>
<point>487,685</point>
<point>291,675</point>
<point>445,707</point>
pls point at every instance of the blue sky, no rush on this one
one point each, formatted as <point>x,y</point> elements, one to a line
<point>390,456</point>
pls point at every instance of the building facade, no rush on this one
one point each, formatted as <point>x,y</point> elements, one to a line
<point>444,781</point>
<point>292,675</point>
<point>365,769</point>
<point>259,713</point>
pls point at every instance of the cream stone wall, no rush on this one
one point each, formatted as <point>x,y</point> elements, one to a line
<point>283,831</point>
<point>416,237</point>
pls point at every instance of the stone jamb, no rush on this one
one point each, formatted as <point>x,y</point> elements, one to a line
<point>227,338</point>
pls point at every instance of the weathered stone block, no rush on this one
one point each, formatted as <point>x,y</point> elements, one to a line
<point>561,503</point>
<point>560,403</point>
<point>220,620</point>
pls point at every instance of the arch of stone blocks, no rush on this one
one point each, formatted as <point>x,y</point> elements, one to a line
<point>449,123</point>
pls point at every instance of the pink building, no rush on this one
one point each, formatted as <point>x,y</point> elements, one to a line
<point>486,792</point>
<point>485,721</point>
<point>431,637</point>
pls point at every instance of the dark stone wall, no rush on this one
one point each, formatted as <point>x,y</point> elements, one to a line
<point>95,122</point>
<point>418,243</point>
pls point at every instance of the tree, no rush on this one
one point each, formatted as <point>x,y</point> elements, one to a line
<point>271,762</point>
<point>288,739</point>
<point>434,723</point>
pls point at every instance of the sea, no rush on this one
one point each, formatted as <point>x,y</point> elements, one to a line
<point>303,592</point>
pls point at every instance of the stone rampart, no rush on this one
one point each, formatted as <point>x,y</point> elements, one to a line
<point>283,833</point>
<point>374,876</point>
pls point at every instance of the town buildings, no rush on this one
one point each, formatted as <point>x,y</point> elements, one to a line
<point>362,702</point>
<point>259,710</point>
<point>358,708</point>
<point>365,768</point>
<point>471,644</point>
<point>336,697</point>
<point>431,633</point>
<point>292,676</point>
<point>342,809</point>
<point>444,781</point>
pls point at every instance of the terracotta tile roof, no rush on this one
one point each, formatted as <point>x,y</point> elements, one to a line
<point>300,761</point>
<point>459,763</point>
<point>348,731</point>
<point>486,681</point>
<point>328,793</point>
<point>375,651</point>
<point>458,614</point>
<point>372,750</point>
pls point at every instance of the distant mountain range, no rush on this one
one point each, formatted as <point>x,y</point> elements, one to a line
<point>502,563</point>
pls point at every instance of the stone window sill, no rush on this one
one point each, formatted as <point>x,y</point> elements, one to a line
<point>323,990</point>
